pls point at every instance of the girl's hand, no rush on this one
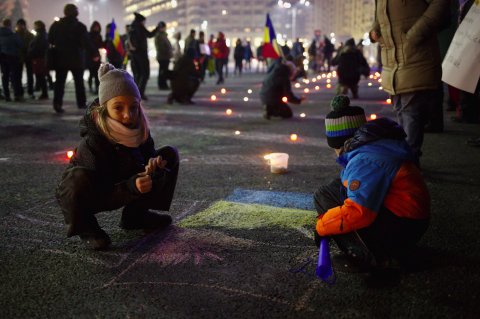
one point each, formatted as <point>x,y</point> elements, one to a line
<point>155,163</point>
<point>143,183</point>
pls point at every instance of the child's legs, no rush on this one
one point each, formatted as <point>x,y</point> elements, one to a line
<point>329,196</point>
<point>333,195</point>
<point>392,236</point>
<point>80,198</point>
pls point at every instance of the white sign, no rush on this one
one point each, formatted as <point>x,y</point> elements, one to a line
<point>461,66</point>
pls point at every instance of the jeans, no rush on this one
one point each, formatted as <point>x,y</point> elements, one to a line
<point>412,111</point>
<point>11,71</point>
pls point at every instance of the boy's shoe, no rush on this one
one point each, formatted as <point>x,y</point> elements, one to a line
<point>96,239</point>
<point>144,220</point>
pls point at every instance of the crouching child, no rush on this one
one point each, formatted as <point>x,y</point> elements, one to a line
<point>380,206</point>
<point>116,165</point>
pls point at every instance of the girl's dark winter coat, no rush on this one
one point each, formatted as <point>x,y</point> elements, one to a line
<point>101,177</point>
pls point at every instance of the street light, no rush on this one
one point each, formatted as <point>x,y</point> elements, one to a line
<point>294,7</point>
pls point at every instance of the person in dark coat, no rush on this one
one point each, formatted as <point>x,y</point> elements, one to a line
<point>37,53</point>
<point>116,165</point>
<point>93,62</point>
<point>238,55</point>
<point>185,79</point>
<point>328,50</point>
<point>114,57</point>
<point>164,54</point>
<point>350,61</point>
<point>137,37</point>
<point>10,46</point>
<point>70,43</point>
<point>248,56</point>
<point>27,37</point>
<point>275,88</point>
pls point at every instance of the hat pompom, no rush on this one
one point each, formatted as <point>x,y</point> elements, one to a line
<point>105,68</point>
<point>340,102</point>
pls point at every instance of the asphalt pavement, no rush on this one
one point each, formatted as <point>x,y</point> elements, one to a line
<point>241,245</point>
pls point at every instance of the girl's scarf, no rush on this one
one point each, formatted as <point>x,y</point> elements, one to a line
<point>124,135</point>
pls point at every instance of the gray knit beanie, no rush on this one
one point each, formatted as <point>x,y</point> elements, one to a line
<point>115,82</point>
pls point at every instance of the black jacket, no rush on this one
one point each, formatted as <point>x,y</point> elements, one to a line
<point>115,165</point>
<point>71,41</point>
<point>276,85</point>
<point>38,47</point>
<point>138,35</point>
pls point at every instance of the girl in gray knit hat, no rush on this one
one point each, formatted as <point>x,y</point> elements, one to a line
<point>116,165</point>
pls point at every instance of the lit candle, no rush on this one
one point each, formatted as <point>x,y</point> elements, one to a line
<point>237,132</point>
<point>306,90</point>
<point>373,116</point>
<point>369,84</point>
<point>245,99</point>
<point>297,85</point>
<point>223,90</point>
<point>380,88</point>
<point>389,101</point>
<point>302,115</point>
<point>317,88</point>
<point>69,154</point>
<point>213,98</point>
<point>249,91</point>
<point>293,137</point>
<point>284,99</point>
<point>329,86</point>
<point>229,112</point>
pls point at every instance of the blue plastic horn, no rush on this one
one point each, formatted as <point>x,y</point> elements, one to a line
<point>324,269</point>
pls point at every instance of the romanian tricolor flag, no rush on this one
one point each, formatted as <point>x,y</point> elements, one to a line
<point>270,45</point>
<point>115,36</point>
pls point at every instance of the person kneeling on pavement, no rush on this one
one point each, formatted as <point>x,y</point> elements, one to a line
<point>275,88</point>
<point>185,79</point>
<point>116,165</point>
<point>379,208</point>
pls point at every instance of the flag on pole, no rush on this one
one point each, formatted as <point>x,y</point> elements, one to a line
<point>270,45</point>
<point>115,36</point>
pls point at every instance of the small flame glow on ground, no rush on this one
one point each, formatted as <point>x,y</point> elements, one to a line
<point>223,90</point>
<point>373,116</point>
<point>306,90</point>
<point>297,85</point>
<point>293,137</point>
<point>249,91</point>
<point>69,154</point>
<point>229,112</point>
<point>329,86</point>
<point>317,88</point>
<point>302,115</point>
<point>213,98</point>
<point>284,99</point>
<point>389,101</point>
<point>245,99</point>
<point>237,132</point>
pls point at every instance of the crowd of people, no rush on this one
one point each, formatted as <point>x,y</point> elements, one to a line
<point>68,46</point>
<point>378,208</point>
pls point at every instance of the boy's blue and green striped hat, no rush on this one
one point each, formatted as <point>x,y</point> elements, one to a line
<point>342,122</point>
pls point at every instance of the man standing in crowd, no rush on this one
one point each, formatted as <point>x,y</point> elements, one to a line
<point>164,54</point>
<point>10,46</point>
<point>137,36</point>
<point>69,41</point>
<point>27,37</point>
<point>406,31</point>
